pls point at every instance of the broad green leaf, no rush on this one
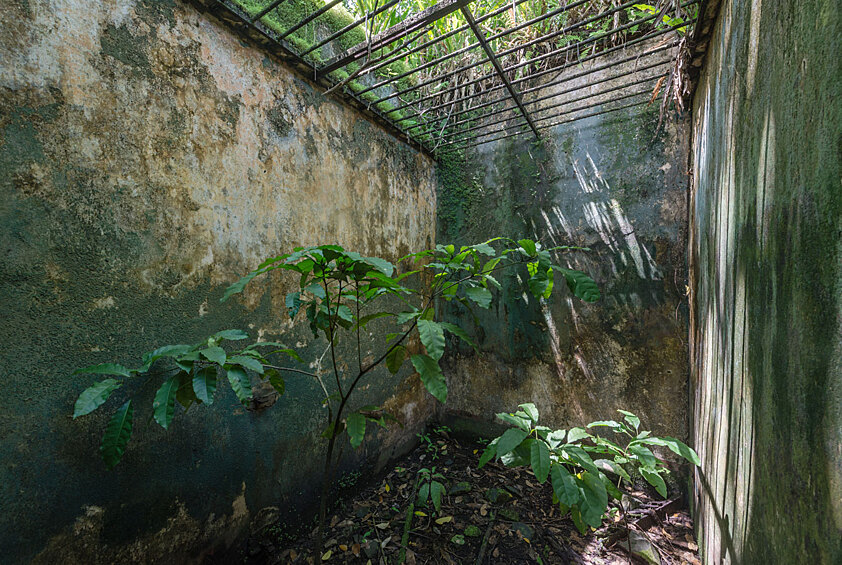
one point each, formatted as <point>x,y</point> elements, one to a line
<point>556,438</point>
<point>530,410</point>
<point>366,319</point>
<point>580,457</point>
<point>612,467</point>
<point>538,284</point>
<point>316,289</point>
<point>240,384</point>
<point>576,434</point>
<point>458,332</point>
<point>424,494</point>
<point>165,351</point>
<point>521,423</point>
<point>594,500</point>
<point>528,247</point>
<point>680,448</point>
<point>355,424</point>
<point>490,265</point>
<point>185,395</point>
<point>436,492</point>
<point>104,369</point>
<point>404,317</point>
<point>431,375</point>
<point>163,407</point>
<point>630,418</point>
<point>540,459</point>
<point>94,396</point>
<point>580,284</point>
<point>246,363</point>
<point>204,384</point>
<point>489,454</point>
<point>655,479</point>
<point>276,380</point>
<point>480,295</point>
<point>520,455</point>
<point>564,485</point>
<point>293,303</point>
<point>238,286</point>
<point>485,249</point>
<point>381,265</point>
<point>291,353</point>
<point>644,454</point>
<point>231,334</point>
<point>117,434</point>
<point>214,354</point>
<point>432,336</point>
<point>576,516</point>
<point>510,439</point>
<point>395,358</point>
<point>607,424</point>
<point>344,317</point>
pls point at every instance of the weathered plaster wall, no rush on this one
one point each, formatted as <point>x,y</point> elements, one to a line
<point>767,298</point>
<point>147,159</point>
<point>611,183</point>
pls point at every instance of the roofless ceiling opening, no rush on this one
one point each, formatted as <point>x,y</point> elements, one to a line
<point>454,74</point>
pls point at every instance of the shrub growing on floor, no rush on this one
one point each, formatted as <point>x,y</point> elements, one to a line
<point>339,293</point>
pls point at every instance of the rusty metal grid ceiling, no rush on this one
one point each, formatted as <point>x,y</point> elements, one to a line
<point>483,91</point>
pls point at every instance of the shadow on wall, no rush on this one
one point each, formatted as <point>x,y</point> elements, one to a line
<point>611,184</point>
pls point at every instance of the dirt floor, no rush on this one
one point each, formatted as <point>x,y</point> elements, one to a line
<point>494,515</point>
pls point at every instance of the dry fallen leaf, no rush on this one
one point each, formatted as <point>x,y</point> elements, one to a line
<point>444,520</point>
<point>355,549</point>
<point>327,555</point>
<point>343,547</point>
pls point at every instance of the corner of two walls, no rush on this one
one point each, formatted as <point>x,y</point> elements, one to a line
<point>148,158</point>
<point>614,183</point>
<point>767,298</point>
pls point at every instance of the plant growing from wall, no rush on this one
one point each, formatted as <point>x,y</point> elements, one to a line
<point>581,484</point>
<point>339,293</point>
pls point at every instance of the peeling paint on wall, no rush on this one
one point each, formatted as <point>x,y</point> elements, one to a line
<point>147,159</point>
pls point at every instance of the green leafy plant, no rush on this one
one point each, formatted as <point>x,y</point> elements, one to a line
<point>339,293</point>
<point>578,463</point>
<point>432,487</point>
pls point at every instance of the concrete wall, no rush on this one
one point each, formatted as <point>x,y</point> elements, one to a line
<point>147,159</point>
<point>614,184</point>
<point>767,297</point>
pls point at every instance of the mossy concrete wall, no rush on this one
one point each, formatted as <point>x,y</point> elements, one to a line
<point>147,159</point>
<point>767,296</point>
<point>614,183</point>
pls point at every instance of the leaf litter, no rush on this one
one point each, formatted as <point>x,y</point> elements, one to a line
<point>496,515</point>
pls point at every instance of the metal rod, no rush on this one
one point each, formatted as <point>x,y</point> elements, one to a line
<point>475,45</point>
<point>536,100</point>
<point>535,75</point>
<point>592,114</point>
<point>394,33</point>
<point>564,113</point>
<point>437,39</point>
<point>350,26</point>
<point>310,18</point>
<point>487,48</point>
<point>268,9</point>
<point>557,52</point>
<point>519,47</point>
<point>551,106</point>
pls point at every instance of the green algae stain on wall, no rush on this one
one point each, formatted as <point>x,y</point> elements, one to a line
<point>766,227</point>
<point>617,186</point>
<point>147,159</point>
